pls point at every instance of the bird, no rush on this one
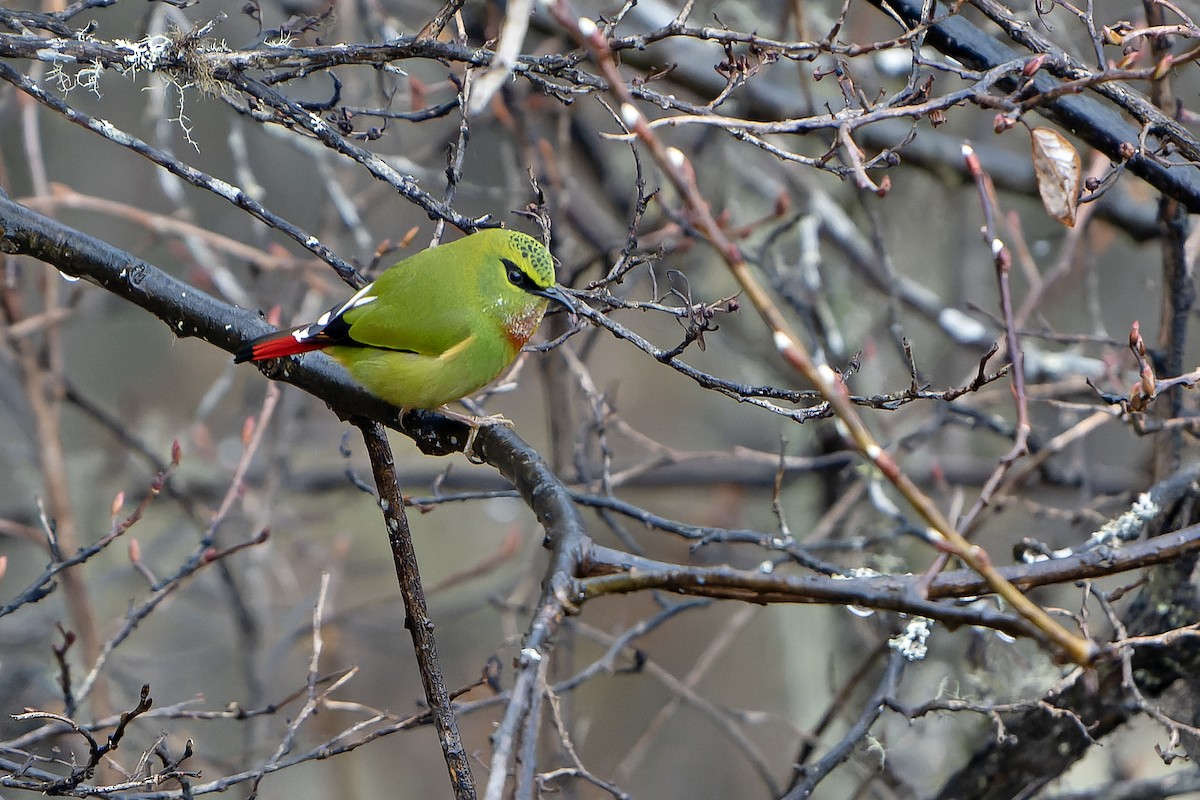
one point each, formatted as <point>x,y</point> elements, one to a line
<point>436,326</point>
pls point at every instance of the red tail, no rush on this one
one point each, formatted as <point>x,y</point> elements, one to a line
<point>280,343</point>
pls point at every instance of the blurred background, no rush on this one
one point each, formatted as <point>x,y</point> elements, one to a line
<point>717,698</point>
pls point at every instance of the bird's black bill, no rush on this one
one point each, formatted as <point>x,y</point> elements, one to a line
<point>557,294</point>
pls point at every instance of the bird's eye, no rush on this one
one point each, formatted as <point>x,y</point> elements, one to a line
<point>515,276</point>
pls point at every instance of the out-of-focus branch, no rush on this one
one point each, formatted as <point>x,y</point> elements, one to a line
<point>190,312</point>
<point>1046,738</point>
<point>808,777</point>
<point>187,311</point>
<point>43,380</point>
<point>168,162</point>
<point>678,170</point>
<point>552,503</point>
<point>614,572</point>
<point>418,622</point>
<point>1092,121</point>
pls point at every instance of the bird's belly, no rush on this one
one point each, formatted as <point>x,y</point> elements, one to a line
<point>411,380</point>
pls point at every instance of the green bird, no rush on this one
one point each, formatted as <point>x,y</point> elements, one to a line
<point>436,326</point>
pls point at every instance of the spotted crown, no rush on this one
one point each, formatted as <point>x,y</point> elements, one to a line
<point>541,265</point>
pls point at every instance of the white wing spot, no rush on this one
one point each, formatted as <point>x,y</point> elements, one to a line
<point>358,295</point>
<point>361,298</point>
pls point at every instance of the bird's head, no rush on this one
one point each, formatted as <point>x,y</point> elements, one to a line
<point>528,283</point>
<point>529,266</point>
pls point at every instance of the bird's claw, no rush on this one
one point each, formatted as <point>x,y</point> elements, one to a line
<point>474,424</point>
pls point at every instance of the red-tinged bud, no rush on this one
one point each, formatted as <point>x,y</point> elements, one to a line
<point>176,453</point>
<point>382,249</point>
<point>3,566</point>
<point>409,235</point>
<point>274,315</point>
<point>69,638</point>
<point>1149,382</point>
<point>1137,401</point>
<point>1002,123</point>
<point>972,161</point>
<point>783,204</point>
<point>117,502</point>
<point>1135,336</point>
<point>1003,260</point>
<point>210,555</point>
<point>417,91</point>
<point>1033,65</point>
<point>1164,66</point>
<point>591,34</point>
<point>263,535</point>
<point>135,551</point>
<point>885,186</point>
<point>925,89</point>
<point>1127,150</point>
<point>248,430</point>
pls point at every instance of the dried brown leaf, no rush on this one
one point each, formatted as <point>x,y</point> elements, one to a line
<point>1059,174</point>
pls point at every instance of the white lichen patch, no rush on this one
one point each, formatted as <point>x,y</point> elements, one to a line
<point>149,54</point>
<point>912,643</point>
<point>1129,525</point>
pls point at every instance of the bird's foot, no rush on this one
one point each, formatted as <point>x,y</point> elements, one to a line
<point>475,423</point>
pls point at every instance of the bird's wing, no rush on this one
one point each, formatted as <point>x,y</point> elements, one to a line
<point>409,309</point>
<point>418,306</point>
